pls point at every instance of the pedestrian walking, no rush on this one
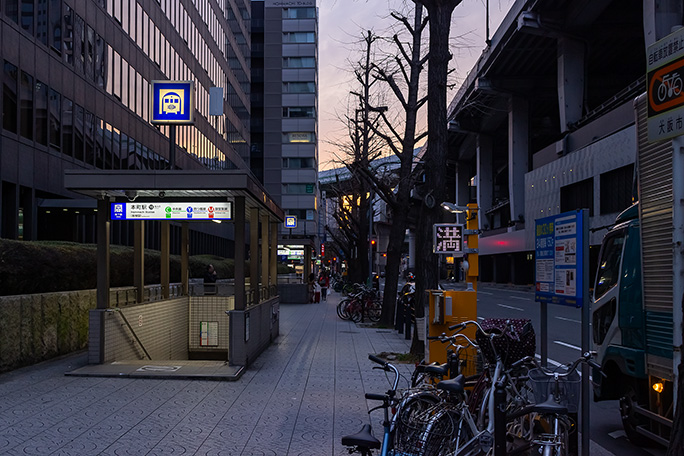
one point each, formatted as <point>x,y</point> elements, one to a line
<point>324,282</point>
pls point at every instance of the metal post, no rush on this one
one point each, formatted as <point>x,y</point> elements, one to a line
<point>165,258</point>
<point>240,253</point>
<point>139,259</point>
<point>185,261</point>
<point>499,419</point>
<point>172,146</point>
<point>586,319</point>
<point>103,233</point>
<point>544,336</point>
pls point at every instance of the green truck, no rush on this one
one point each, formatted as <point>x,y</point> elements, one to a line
<point>638,292</point>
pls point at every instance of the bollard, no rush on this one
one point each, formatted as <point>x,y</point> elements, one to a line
<point>399,315</point>
<point>408,319</point>
<point>499,419</point>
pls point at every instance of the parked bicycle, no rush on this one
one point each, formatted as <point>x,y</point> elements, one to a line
<point>363,303</point>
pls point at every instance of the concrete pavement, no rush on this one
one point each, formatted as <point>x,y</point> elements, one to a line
<point>299,398</point>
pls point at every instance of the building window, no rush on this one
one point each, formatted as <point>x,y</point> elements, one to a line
<point>67,126</point>
<point>299,189</point>
<point>299,111</point>
<point>68,35</point>
<point>27,15</point>
<point>299,62</point>
<point>298,163</point>
<point>42,21</point>
<point>579,195</point>
<point>26,106</point>
<point>12,10</point>
<point>616,189</point>
<point>55,119</point>
<point>299,13</point>
<point>299,37</point>
<point>9,97</point>
<point>301,214</point>
<point>299,87</point>
<point>56,25</point>
<point>299,137</point>
<point>41,125</point>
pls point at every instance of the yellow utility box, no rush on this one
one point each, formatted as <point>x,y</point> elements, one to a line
<point>450,307</point>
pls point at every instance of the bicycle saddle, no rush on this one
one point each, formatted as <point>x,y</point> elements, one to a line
<point>437,369</point>
<point>551,406</point>
<point>364,438</point>
<point>454,385</point>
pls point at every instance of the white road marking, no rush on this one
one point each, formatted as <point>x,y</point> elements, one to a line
<point>617,434</point>
<point>518,297</point>
<point>518,291</point>
<point>568,319</point>
<point>511,307</point>
<point>485,292</point>
<point>565,344</point>
<point>480,318</point>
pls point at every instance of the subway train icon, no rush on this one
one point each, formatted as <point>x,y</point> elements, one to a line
<point>171,101</point>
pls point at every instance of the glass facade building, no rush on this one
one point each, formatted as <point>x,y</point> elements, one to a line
<point>285,111</point>
<point>76,78</point>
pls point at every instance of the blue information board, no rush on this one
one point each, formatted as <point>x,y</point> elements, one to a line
<point>173,102</point>
<point>559,259</point>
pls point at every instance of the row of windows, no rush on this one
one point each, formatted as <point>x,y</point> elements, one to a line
<point>299,87</point>
<point>299,163</point>
<point>299,13</point>
<point>299,62</point>
<point>299,112</point>
<point>40,113</point>
<point>299,37</point>
<point>301,214</point>
<point>299,188</point>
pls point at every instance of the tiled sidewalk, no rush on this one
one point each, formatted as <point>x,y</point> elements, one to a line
<point>301,395</point>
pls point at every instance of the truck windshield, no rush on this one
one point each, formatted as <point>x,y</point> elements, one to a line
<point>609,266</point>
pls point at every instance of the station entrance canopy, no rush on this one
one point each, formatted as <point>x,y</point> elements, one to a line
<point>232,195</point>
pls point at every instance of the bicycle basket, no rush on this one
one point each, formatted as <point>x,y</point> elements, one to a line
<point>515,344</point>
<point>434,431</point>
<point>568,388</point>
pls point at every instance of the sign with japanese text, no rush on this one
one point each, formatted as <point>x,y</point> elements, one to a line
<point>173,102</point>
<point>448,239</point>
<point>665,87</point>
<point>172,211</point>
<point>558,259</point>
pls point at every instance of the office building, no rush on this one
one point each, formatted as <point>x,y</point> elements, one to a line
<point>76,80</point>
<point>284,150</point>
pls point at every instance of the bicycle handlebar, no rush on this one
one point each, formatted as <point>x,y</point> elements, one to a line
<point>386,367</point>
<point>586,357</point>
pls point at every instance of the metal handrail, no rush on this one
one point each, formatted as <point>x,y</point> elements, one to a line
<point>130,328</point>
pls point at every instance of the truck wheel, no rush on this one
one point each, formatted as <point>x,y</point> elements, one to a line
<point>630,420</point>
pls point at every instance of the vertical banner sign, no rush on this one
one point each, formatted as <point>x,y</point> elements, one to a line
<point>559,259</point>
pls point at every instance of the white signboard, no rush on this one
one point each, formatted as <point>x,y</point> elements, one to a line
<point>172,211</point>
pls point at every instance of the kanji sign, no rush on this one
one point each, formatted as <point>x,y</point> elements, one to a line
<point>172,211</point>
<point>448,239</point>
<point>665,87</point>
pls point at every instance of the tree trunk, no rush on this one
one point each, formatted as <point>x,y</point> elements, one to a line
<point>439,14</point>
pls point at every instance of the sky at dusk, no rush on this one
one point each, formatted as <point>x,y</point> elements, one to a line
<point>342,23</point>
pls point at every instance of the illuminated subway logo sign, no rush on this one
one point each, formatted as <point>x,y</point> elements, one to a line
<point>172,102</point>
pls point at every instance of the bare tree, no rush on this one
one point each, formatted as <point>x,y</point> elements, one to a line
<point>354,208</point>
<point>401,74</point>
<point>439,19</point>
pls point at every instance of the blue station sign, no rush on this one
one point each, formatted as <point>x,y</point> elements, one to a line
<point>558,259</point>
<point>173,102</point>
<point>290,221</point>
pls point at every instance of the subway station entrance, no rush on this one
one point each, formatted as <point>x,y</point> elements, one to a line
<point>186,330</point>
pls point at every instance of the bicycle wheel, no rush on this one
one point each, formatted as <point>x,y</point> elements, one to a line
<point>355,311</point>
<point>408,423</point>
<point>374,311</point>
<point>342,309</point>
<point>448,432</point>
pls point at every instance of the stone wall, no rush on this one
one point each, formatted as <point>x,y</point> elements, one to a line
<point>37,327</point>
